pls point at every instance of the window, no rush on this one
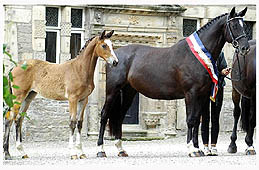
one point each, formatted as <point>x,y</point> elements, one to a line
<point>52,41</point>
<point>76,18</point>
<point>52,16</point>
<point>249,29</point>
<point>75,44</point>
<point>51,46</point>
<point>77,31</point>
<point>189,26</point>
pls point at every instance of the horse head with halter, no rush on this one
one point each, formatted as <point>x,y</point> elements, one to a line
<point>235,33</point>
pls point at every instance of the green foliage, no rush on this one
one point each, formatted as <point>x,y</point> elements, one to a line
<point>8,97</point>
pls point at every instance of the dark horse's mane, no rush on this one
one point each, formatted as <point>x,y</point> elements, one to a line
<point>206,26</point>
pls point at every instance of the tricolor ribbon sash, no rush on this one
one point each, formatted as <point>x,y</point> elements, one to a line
<point>205,58</point>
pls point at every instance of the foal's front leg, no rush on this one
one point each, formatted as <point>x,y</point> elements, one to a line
<point>80,112</point>
<point>73,122</point>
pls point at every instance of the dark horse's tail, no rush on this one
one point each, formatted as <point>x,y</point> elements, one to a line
<point>116,117</point>
<point>245,113</point>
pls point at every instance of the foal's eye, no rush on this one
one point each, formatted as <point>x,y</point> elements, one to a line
<point>104,46</point>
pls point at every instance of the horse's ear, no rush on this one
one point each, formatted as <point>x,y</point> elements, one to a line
<point>232,13</point>
<point>109,34</point>
<point>242,13</point>
<point>102,35</point>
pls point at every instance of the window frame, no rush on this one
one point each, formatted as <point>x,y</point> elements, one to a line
<point>79,30</point>
<point>57,30</point>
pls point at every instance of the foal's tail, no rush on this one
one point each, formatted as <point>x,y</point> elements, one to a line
<point>116,117</point>
<point>245,113</point>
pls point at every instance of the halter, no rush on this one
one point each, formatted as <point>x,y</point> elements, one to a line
<point>234,40</point>
<point>235,44</point>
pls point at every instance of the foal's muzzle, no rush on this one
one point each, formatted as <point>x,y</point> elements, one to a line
<point>112,61</point>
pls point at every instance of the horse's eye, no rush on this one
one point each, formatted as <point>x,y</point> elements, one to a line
<point>104,46</point>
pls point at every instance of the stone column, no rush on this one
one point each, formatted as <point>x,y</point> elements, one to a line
<point>152,112</point>
<point>65,34</point>
<point>38,32</point>
<point>171,118</point>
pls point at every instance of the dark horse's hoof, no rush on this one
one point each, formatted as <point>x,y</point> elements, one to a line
<point>101,154</point>
<point>232,149</point>
<point>250,151</point>
<point>196,154</point>
<point>7,156</point>
<point>123,154</point>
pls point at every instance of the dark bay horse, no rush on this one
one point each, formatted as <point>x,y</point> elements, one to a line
<point>168,73</point>
<point>244,87</point>
<point>72,81</point>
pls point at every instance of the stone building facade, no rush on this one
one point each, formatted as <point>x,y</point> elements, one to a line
<point>56,34</point>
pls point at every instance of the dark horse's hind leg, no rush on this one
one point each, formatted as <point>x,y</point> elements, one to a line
<point>127,96</point>
<point>112,98</point>
<point>115,108</point>
<point>251,125</point>
<point>232,148</point>
<point>194,107</point>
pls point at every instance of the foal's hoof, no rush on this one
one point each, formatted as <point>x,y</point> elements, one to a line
<point>232,149</point>
<point>123,154</point>
<point>101,155</point>
<point>25,156</point>
<point>83,156</point>
<point>196,154</point>
<point>74,157</point>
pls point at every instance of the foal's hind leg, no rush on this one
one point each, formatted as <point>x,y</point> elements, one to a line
<point>232,148</point>
<point>8,125</point>
<point>18,122</point>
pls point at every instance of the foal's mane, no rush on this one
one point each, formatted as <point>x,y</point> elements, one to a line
<point>207,25</point>
<point>86,44</point>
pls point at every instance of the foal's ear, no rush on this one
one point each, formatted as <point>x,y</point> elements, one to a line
<point>242,13</point>
<point>109,34</point>
<point>232,13</point>
<point>102,35</point>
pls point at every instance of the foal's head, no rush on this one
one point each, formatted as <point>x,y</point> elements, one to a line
<point>104,48</point>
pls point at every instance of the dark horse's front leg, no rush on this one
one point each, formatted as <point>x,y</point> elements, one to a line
<point>251,123</point>
<point>194,107</point>
<point>232,148</point>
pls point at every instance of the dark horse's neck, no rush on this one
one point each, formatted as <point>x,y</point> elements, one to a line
<point>212,35</point>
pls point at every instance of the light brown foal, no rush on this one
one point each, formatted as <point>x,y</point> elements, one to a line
<point>72,81</point>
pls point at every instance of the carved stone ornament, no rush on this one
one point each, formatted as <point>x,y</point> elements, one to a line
<point>133,20</point>
<point>98,16</point>
<point>65,28</point>
<point>152,119</point>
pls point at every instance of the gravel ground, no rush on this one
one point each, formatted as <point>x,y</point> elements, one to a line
<point>157,153</point>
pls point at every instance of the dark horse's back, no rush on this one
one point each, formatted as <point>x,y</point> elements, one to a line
<point>158,73</point>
